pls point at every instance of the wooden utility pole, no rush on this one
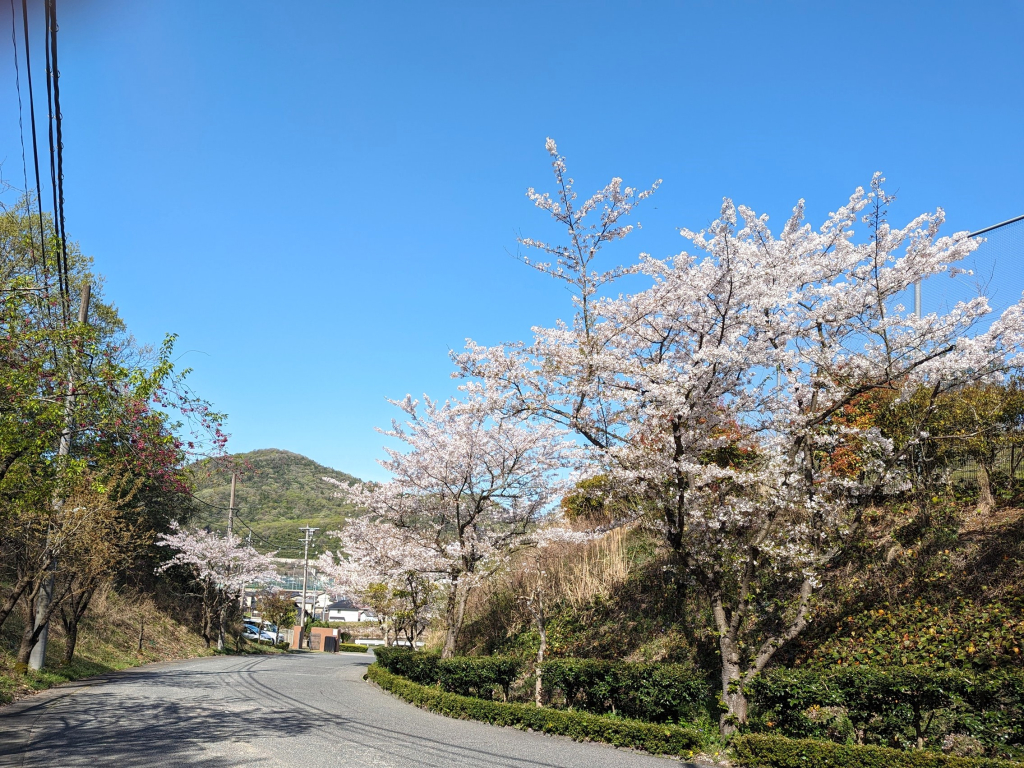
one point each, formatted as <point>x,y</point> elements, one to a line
<point>37,658</point>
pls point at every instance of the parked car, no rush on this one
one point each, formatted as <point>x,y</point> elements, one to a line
<point>252,632</point>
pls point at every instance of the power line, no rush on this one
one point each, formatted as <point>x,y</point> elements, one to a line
<point>35,143</point>
<point>58,118</point>
<point>61,254</point>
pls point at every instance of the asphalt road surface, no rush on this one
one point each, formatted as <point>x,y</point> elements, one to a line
<point>306,710</point>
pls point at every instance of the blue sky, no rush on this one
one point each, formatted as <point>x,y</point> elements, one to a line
<point>321,198</point>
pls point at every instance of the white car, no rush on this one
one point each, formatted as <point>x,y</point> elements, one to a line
<point>252,632</point>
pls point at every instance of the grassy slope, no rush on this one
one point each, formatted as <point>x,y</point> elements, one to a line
<point>108,641</point>
<point>280,492</point>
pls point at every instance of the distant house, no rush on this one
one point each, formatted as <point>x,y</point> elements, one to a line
<point>346,610</point>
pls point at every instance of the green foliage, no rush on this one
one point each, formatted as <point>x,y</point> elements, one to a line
<point>759,751</point>
<point>418,666</point>
<point>467,676</point>
<point>903,706</point>
<point>353,648</point>
<point>580,726</point>
<point>959,634</point>
<point>277,491</point>
<point>653,692</point>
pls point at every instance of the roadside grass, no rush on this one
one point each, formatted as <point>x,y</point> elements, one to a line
<point>119,631</point>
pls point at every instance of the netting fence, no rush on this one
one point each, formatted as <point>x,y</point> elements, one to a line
<point>996,271</point>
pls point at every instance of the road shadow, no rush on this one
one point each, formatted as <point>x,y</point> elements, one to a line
<point>173,717</point>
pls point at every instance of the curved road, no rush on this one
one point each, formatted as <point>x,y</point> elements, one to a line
<point>306,709</point>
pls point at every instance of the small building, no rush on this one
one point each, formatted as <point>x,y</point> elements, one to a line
<point>346,610</point>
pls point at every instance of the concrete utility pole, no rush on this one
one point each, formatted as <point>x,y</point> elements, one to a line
<point>37,658</point>
<point>305,571</point>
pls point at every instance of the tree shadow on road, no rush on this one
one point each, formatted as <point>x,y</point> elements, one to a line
<point>160,719</point>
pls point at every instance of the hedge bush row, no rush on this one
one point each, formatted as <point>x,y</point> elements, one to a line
<point>761,751</point>
<point>644,691</point>
<point>893,706</point>
<point>581,726</point>
<point>353,647</point>
<point>652,692</point>
<point>466,675</point>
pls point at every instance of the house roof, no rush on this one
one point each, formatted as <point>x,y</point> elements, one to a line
<point>345,604</point>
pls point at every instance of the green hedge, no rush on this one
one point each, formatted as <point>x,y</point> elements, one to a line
<point>466,675</point>
<point>644,691</point>
<point>353,648</point>
<point>892,706</point>
<point>418,666</point>
<point>581,726</point>
<point>760,751</point>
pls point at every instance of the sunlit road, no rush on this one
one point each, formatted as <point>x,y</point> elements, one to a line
<point>298,709</point>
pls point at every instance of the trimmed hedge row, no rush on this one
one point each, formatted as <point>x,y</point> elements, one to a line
<point>353,648</point>
<point>653,692</point>
<point>580,726</point>
<point>466,675</point>
<point>892,705</point>
<point>760,751</point>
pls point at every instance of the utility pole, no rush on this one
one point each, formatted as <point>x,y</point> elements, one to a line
<point>305,571</point>
<point>37,658</point>
<point>231,508</point>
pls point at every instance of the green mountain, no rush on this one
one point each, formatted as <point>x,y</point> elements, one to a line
<point>276,493</point>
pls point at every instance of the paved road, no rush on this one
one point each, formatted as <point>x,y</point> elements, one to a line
<point>307,710</point>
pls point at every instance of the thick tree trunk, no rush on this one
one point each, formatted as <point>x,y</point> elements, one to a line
<point>455,613</point>
<point>986,502</point>
<point>734,698</point>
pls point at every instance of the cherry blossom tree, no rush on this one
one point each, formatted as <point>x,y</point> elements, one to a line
<point>221,566</point>
<point>713,394</point>
<point>472,483</point>
<point>384,568</point>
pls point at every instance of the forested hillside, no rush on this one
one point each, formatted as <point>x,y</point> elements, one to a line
<point>277,492</point>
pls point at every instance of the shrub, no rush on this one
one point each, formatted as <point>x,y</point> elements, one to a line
<point>478,676</point>
<point>418,666</point>
<point>466,675</point>
<point>353,648</point>
<point>581,726</point>
<point>761,751</point>
<point>904,705</point>
<point>643,691</point>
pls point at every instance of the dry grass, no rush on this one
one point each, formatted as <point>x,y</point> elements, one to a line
<point>598,569</point>
<point>108,640</point>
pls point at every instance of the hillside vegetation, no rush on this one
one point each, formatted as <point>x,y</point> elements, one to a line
<point>277,493</point>
<point>119,631</point>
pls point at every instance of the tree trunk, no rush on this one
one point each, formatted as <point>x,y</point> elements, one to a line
<point>986,503</point>
<point>70,641</point>
<point>453,618</point>
<point>220,626</point>
<point>542,631</point>
<point>18,590</point>
<point>70,616</point>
